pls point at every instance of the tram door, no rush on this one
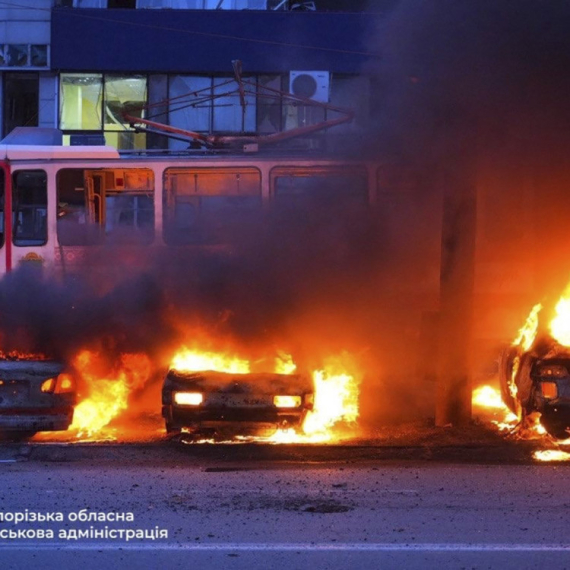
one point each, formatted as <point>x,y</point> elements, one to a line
<point>95,197</point>
<point>29,241</point>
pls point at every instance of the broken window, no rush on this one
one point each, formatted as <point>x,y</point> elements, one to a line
<point>95,102</point>
<point>81,95</point>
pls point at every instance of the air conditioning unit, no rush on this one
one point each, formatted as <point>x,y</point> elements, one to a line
<point>310,85</point>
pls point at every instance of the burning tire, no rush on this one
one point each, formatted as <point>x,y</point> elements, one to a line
<point>506,365</point>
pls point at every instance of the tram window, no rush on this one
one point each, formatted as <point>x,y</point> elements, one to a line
<point>103,205</point>
<point>206,206</point>
<point>319,187</point>
<point>134,212</point>
<point>29,208</point>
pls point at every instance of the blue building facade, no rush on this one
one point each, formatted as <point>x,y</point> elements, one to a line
<point>101,54</point>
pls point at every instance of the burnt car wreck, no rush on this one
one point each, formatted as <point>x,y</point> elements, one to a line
<point>35,395</point>
<point>239,403</point>
<point>538,380</point>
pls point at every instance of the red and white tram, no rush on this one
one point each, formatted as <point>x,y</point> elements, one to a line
<point>68,200</point>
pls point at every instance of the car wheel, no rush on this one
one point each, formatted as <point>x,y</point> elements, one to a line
<point>505,376</point>
<point>170,430</point>
<point>555,428</point>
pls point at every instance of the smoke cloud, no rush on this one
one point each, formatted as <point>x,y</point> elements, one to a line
<point>325,277</point>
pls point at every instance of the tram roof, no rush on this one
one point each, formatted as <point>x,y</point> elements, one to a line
<point>43,152</point>
<point>30,143</point>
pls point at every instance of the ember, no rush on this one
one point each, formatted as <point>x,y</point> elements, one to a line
<point>551,455</point>
<point>15,355</point>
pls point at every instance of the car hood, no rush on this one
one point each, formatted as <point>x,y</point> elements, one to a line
<point>22,369</point>
<point>258,383</point>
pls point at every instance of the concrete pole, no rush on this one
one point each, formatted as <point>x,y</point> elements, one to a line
<point>453,396</point>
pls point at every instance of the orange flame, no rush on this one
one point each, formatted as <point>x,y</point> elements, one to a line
<point>551,455</point>
<point>17,355</point>
<point>560,324</point>
<point>284,364</point>
<point>187,360</point>
<point>335,397</point>
<point>527,334</point>
<point>488,399</point>
<point>336,400</point>
<point>108,396</point>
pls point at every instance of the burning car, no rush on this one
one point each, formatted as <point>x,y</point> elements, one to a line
<point>35,395</point>
<point>241,402</point>
<point>535,371</point>
<point>538,380</point>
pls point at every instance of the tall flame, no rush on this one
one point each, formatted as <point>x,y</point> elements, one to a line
<point>560,324</point>
<point>107,396</point>
<point>527,334</point>
<point>336,400</point>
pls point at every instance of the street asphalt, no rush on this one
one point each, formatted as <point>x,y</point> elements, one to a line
<point>260,507</point>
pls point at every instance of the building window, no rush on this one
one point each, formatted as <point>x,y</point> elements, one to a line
<point>95,102</point>
<point>204,4</point>
<point>227,110</point>
<point>205,104</point>
<point>29,208</point>
<point>269,110</point>
<point>38,56</point>
<point>81,97</point>
<point>17,55</point>
<point>120,92</point>
<point>21,100</point>
<point>208,104</point>
<point>191,112</point>
<point>122,4</point>
<point>87,3</point>
<point>23,55</point>
<point>180,4</point>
